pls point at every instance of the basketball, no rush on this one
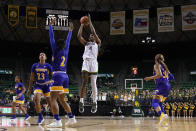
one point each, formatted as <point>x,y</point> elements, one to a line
<point>84,20</point>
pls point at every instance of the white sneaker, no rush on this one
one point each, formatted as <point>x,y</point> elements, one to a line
<point>163,118</point>
<point>122,116</point>
<point>71,121</point>
<point>55,124</point>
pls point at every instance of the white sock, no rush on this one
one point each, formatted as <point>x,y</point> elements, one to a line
<point>82,100</point>
<point>94,87</point>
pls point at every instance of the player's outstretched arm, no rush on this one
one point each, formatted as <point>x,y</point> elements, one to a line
<point>80,38</point>
<point>93,30</point>
<point>67,43</point>
<point>158,73</point>
<point>51,34</point>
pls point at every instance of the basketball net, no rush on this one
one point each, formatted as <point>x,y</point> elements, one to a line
<point>133,89</point>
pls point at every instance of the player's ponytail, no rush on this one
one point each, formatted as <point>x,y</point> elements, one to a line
<point>160,59</point>
<point>165,66</point>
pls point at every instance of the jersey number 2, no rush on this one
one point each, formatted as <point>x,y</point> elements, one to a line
<point>63,61</point>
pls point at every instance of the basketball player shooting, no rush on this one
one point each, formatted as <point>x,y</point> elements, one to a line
<point>90,64</point>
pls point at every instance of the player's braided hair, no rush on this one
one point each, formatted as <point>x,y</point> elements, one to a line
<point>160,59</point>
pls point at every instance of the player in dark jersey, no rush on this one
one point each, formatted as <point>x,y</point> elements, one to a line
<point>60,86</point>
<point>40,73</point>
<point>162,77</point>
<point>19,100</point>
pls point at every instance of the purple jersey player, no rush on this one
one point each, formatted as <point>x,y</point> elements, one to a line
<point>60,51</point>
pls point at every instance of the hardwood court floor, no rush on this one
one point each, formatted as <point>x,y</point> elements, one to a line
<point>103,124</point>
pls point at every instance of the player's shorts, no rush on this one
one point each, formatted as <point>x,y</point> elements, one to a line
<point>19,100</point>
<point>162,90</point>
<point>61,82</point>
<point>42,89</point>
<point>90,66</point>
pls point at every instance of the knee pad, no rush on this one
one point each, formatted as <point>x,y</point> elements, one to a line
<point>155,103</point>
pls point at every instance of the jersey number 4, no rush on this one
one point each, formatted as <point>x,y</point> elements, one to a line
<point>63,61</point>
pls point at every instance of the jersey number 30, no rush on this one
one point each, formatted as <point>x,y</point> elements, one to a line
<point>63,61</point>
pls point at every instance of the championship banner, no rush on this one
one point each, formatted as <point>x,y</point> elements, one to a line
<point>13,15</point>
<point>62,19</point>
<point>117,23</point>
<point>165,19</point>
<point>31,17</point>
<point>188,17</point>
<point>140,21</point>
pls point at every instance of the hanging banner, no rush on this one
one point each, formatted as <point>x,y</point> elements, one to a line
<point>165,19</point>
<point>31,17</point>
<point>117,23</point>
<point>13,15</point>
<point>188,17</point>
<point>62,19</point>
<point>140,21</point>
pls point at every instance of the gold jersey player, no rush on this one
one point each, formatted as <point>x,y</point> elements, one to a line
<point>90,65</point>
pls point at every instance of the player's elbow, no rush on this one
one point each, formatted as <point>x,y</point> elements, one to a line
<point>159,76</point>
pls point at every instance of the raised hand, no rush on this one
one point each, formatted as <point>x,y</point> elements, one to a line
<point>89,19</point>
<point>71,26</point>
<point>52,21</point>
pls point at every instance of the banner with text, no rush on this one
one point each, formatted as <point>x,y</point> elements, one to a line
<point>62,19</point>
<point>31,17</point>
<point>188,17</point>
<point>140,21</point>
<point>117,23</point>
<point>13,15</point>
<point>165,19</point>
